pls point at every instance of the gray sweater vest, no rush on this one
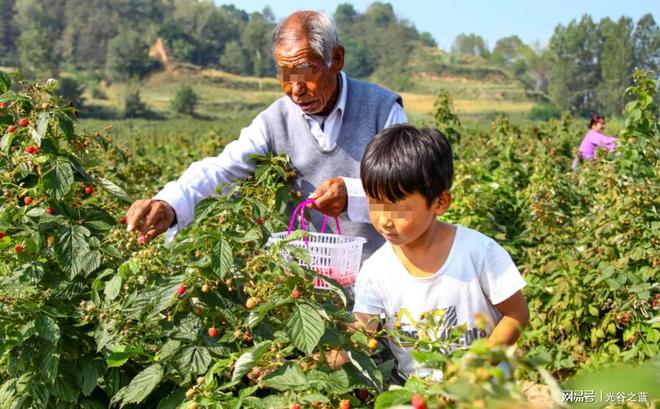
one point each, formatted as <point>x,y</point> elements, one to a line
<point>367,109</point>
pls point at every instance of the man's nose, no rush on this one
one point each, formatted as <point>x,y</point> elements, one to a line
<point>298,88</point>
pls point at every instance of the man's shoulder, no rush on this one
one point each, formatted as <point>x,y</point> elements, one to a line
<point>369,88</point>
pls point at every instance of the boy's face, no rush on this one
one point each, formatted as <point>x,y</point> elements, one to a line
<point>406,220</point>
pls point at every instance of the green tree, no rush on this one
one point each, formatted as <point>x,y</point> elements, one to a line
<point>8,33</point>
<point>470,44</point>
<point>647,44</point>
<point>256,38</point>
<point>185,100</point>
<point>128,56</point>
<point>616,63</point>
<point>89,26</point>
<point>35,51</point>
<point>576,74</point>
<point>235,59</point>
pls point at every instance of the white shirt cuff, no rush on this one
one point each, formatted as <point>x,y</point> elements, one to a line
<point>172,195</point>
<point>357,209</point>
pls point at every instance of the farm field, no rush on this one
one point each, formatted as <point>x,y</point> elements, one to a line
<point>89,318</point>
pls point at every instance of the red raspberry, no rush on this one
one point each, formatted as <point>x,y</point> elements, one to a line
<point>11,128</point>
<point>417,401</point>
<point>89,189</point>
<point>50,210</point>
<point>181,289</point>
<point>23,122</point>
<point>19,249</point>
<point>27,200</point>
<point>2,234</point>
<point>213,332</point>
<point>295,294</point>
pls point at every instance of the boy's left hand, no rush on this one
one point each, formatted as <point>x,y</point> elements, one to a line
<point>331,198</point>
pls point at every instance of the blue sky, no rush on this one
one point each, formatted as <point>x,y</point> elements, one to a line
<point>492,19</point>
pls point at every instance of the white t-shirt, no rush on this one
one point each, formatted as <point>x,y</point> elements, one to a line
<point>477,274</point>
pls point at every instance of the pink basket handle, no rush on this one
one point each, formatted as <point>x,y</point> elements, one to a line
<point>301,209</point>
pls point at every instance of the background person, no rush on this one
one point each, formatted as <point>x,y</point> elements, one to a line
<point>594,139</point>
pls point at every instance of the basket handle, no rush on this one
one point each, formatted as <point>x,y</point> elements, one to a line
<point>301,209</point>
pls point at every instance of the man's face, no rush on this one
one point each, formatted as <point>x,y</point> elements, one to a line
<point>305,77</point>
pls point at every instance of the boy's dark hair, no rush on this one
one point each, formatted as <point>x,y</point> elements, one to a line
<point>402,160</point>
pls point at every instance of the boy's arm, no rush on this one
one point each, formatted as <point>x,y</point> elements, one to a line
<point>337,359</point>
<point>515,315</point>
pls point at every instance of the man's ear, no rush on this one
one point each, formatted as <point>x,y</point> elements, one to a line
<point>337,58</point>
<point>443,203</point>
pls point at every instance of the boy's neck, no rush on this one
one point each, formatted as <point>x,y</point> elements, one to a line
<point>426,255</point>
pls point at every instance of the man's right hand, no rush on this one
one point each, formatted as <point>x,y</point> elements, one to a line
<point>150,218</point>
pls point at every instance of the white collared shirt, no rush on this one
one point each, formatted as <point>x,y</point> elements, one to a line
<point>202,177</point>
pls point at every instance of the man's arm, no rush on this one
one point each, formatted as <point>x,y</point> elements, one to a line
<point>515,315</point>
<point>179,198</point>
<point>340,194</point>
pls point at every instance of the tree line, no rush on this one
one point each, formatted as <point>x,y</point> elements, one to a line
<point>586,66</point>
<point>111,39</point>
<point>584,69</point>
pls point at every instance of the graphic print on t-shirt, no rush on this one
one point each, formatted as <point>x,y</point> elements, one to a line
<point>447,320</point>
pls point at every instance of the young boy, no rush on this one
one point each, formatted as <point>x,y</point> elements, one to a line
<point>428,265</point>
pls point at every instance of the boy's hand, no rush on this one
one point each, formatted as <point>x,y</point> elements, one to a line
<point>331,198</point>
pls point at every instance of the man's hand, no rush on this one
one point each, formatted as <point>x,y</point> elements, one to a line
<point>331,198</point>
<point>150,218</point>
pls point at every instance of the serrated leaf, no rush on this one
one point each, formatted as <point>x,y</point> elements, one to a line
<point>113,189</point>
<point>50,363</point>
<point>66,124</point>
<point>112,288</point>
<point>42,125</point>
<point>392,398</point>
<point>35,136</point>
<point>92,370</point>
<point>287,378</point>
<point>223,259</point>
<point>305,327</point>
<point>117,359</point>
<point>57,178</point>
<point>47,328</point>
<point>249,358</point>
<point>73,252</point>
<point>140,387</point>
<point>40,395</point>
<point>193,360</point>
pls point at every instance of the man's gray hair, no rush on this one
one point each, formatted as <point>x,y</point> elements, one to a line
<point>318,28</point>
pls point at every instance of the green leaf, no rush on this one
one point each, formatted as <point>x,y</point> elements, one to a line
<point>5,142</point>
<point>140,387</point>
<point>117,359</point>
<point>112,287</point>
<point>66,124</point>
<point>40,395</point>
<point>47,328</point>
<point>57,178</point>
<point>289,377</point>
<point>392,398</point>
<point>73,252</point>
<point>50,363</point>
<point>114,190</point>
<point>193,360</point>
<point>35,136</point>
<point>249,358</point>
<point>223,258</point>
<point>92,370</point>
<point>42,125</point>
<point>34,272</point>
<point>5,82</point>
<point>305,327</point>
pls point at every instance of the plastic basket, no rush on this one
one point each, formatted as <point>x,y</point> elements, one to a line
<point>331,255</point>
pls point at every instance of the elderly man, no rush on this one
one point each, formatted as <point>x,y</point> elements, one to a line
<point>323,123</point>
